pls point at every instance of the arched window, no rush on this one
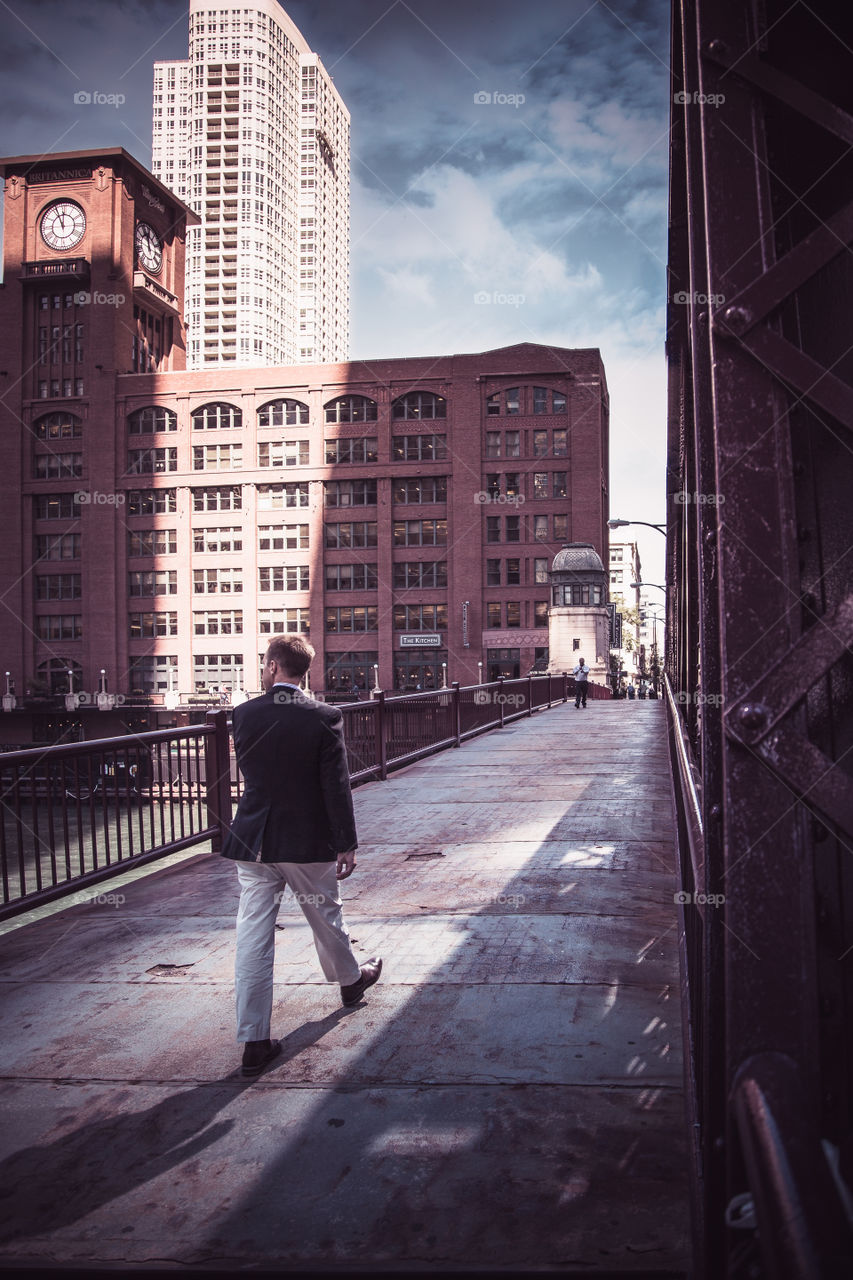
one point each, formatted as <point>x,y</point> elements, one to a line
<point>547,401</point>
<point>419,405</point>
<point>152,418</point>
<point>283,413</point>
<point>351,409</point>
<point>501,402</point>
<point>54,673</point>
<point>57,426</point>
<point>216,416</point>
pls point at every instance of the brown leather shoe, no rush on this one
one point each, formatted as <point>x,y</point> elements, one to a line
<point>257,1053</point>
<point>369,974</point>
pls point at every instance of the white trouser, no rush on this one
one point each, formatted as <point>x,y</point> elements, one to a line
<point>262,884</point>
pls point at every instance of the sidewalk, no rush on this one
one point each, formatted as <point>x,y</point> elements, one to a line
<point>509,1096</point>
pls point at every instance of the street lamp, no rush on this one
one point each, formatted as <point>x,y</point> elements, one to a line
<point>659,585</point>
<point>619,524</point>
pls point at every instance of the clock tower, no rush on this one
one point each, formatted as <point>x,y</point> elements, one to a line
<point>93,285</point>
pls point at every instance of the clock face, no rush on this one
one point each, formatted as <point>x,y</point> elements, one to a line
<point>149,249</point>
<point>63,224</point>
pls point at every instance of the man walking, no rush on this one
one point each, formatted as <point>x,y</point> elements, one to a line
<point>581,674</point>
<point>294,828</point>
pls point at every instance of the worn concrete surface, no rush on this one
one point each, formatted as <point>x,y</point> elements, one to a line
<point>509,1095</point>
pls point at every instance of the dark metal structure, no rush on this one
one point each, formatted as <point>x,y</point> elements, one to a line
<point>760,613</point>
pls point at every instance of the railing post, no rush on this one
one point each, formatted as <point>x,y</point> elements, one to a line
<point>217,776</point>
<point>381,743</point>
<point>501,699</point>
<point>530,694</point>
<point>457,713</point>
<point>565,686</point>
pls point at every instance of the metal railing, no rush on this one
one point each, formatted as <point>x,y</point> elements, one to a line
<point>75,814</point>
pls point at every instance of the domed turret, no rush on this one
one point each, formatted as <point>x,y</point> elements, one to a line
<point>578,622</point>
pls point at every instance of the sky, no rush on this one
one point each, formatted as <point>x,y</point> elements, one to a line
<point>509,174</point>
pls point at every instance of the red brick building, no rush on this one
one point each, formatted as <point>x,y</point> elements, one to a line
<point>161,525</point>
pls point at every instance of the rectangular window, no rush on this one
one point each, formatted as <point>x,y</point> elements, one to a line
<point>151,502</point>
<point>561,528</point>
<point>151,461</point>
<point>540,401</point>
<point>493,444</point>
<point>277,497</point>
<point>429,448</point>
<point>513,613</point>
<point>56,506</point>
<point>420,533</point>
<point>150,674</point>
<point>284,578</point>
<point>540,528</point>
<point>540,444</point>
<point>224,580</point>
<point>513,528</point>
<point>540,613</point>
<point>60,626</point>
<point>420,573</point>
<point>513,440</point>
<point>282,537</point>
<point>228,498</point>
<point>224,538</point>
<point>513,573</point>
<point>277,621</point>
<point>493,528</point>
<point>559,482</point>
<point>218,622</point>
<point>217,457</point>
<point>283,453</point>
<point>59,586</point>
<point>512,401</point>
<point>219,671</point>
<point>540,570</point>
<point>356,449</point>
<point>493,573</point>
<point>55,466</point>
<point>350,493</point>
<point>421,489</point>
<point>493,615</point>
<point>360,533</point>
<point>62,546</point>
<point>561,443</point>
<point>351,577</point>
<point>152,542</point>
<point>349,618</point>
<point>153,582</point>
<point>420,617</point>
<point>145,626</point>
<point>540,484</point>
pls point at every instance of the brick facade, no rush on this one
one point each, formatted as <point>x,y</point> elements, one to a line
<point>522,468</point>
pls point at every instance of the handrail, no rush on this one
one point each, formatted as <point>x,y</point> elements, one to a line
<point>803,1229</point>
<point>692,805</point>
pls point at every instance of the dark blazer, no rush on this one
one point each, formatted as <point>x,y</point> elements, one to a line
<point>296,805</point>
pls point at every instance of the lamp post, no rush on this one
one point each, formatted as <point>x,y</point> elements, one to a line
<point>620,524</point>
<point>375,688</point>
<point>479,673</point>
<point>444,675</point>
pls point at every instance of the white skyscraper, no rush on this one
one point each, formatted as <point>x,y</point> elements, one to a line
<point>251,132</point>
